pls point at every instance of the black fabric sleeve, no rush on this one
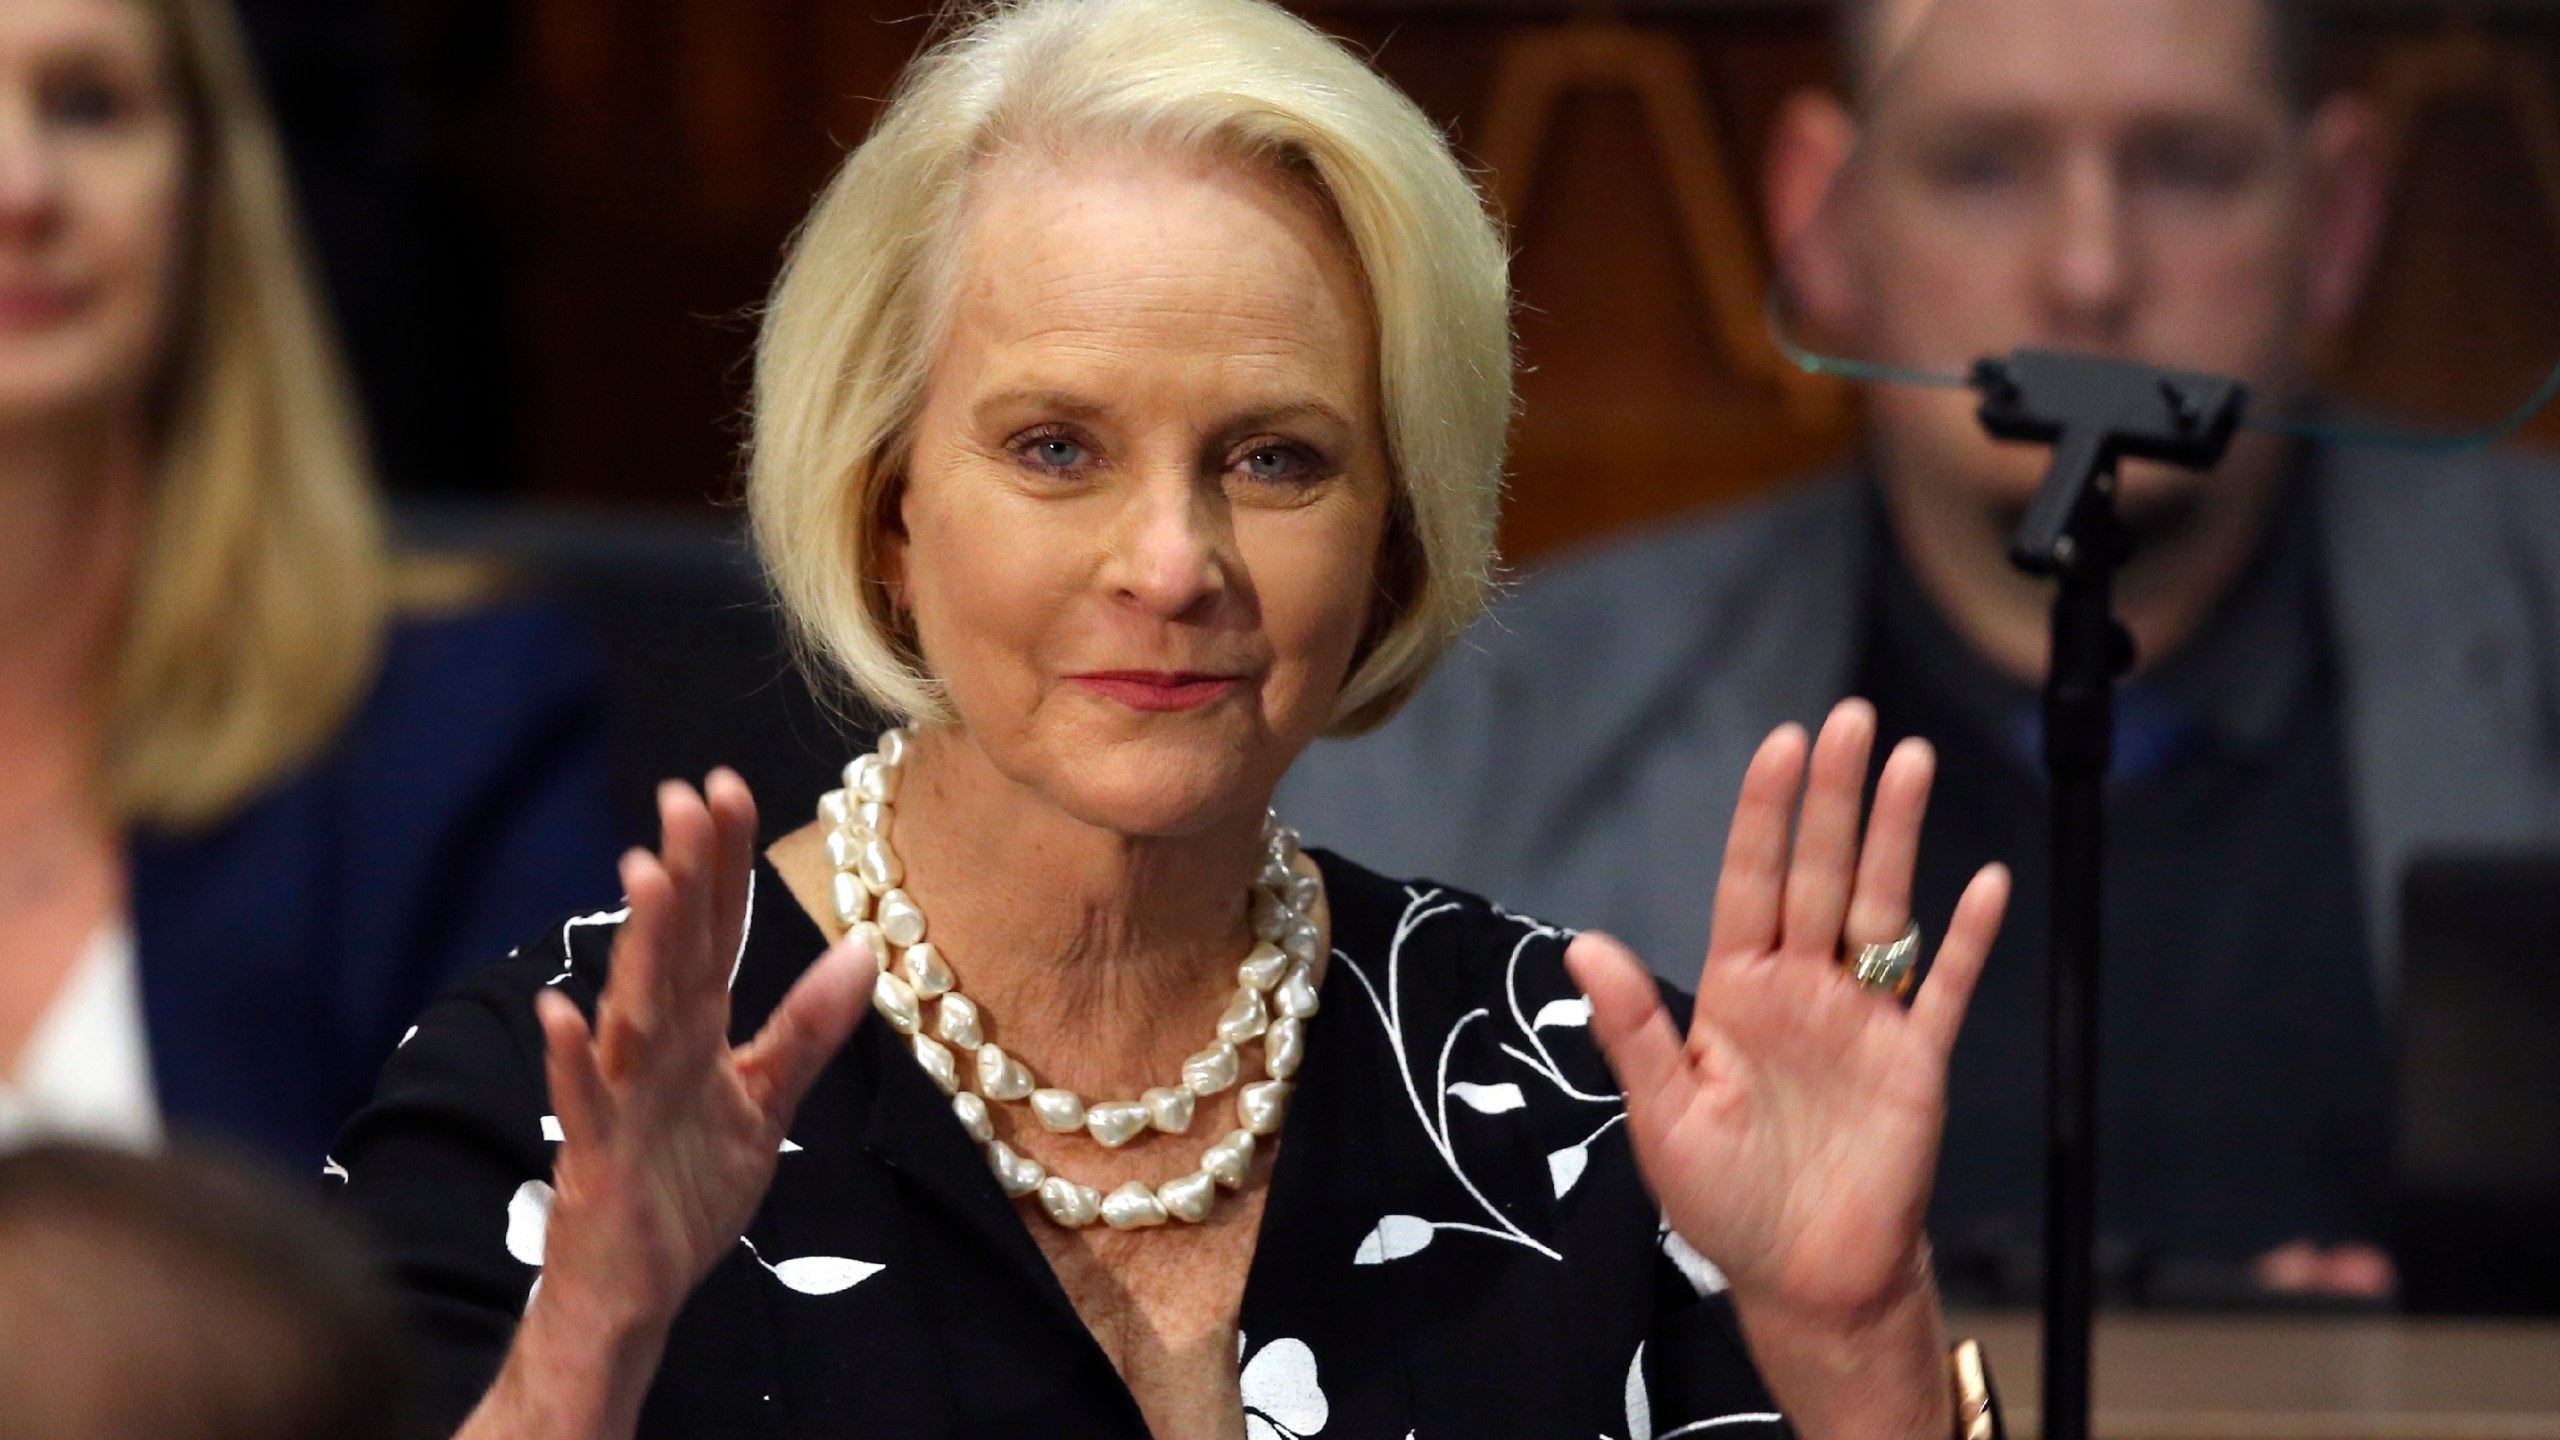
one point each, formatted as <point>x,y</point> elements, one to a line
<point>448,1169</point>
<point>1698,1373</point>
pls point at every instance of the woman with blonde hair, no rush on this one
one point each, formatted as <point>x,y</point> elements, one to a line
<point>254,811</point>
<point>1131,414</point>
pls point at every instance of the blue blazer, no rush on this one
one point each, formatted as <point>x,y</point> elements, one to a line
<point>284,951</point>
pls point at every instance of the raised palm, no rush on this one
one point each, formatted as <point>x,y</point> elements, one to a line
<point>670,1133</point>
<point>1792,1135</point>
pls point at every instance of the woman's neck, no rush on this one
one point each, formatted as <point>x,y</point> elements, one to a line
<point>70,520</point>
<point>72,499</point>
<point>1101,959</point>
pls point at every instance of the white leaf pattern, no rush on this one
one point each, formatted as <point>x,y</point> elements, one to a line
<point>1396,1237</point>
<point>1562,1012</point>
<point>1282,1399</point>
<point>1565,1167</point>
<point>823,1274</point>
<point>1490,1099</point>
<point>1718,1422</point>
<point>568,946</point>
<point>1571,1012</point>
<point>815,1274</point>
<point>746,928</point>
<point>528,1221</point>
<point>1697,1269</point>
<point>1639,1400</point>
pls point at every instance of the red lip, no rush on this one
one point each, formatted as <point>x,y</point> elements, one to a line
<point>1158,690</point>
<point>38,307</point>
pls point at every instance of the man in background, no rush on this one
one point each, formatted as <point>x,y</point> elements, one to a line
<point>2345,658</point>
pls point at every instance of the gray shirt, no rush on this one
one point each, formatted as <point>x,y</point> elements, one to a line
<point>1579,756</point>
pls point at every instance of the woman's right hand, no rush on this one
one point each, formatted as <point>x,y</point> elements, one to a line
<point>669,1134</point>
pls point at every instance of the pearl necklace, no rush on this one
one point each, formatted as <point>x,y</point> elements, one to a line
<point>1275,994</point>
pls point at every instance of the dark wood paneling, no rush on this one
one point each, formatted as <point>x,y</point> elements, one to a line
<point>665,148</point>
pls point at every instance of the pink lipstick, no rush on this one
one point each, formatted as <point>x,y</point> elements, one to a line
<point>1158,690</point>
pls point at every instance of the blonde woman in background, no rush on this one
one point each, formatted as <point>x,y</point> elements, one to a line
<point>253,811</point>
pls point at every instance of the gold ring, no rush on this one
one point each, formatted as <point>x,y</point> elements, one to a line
<point>1889,967</point>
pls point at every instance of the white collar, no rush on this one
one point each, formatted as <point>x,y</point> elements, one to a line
<point>86,1071</point>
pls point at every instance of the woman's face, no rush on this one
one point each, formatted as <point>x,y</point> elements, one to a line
<point>1139,534</point>
<point>92,199</point>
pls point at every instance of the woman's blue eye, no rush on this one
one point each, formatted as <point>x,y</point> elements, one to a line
<point>1057,454</point>
<point>1278,463</point>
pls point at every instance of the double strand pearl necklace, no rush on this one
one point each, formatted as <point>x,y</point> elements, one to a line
<point>1275,994</point>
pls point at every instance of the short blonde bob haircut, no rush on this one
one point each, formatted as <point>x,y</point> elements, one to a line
<point>854,325</point>
<point>256,614</point>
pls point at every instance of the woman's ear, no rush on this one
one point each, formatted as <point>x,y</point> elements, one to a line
<point>889,542</point>
<point>1397,582</point>
<point>889,526</point>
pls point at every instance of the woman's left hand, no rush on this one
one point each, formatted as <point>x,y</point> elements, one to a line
<point>1793,1136</point>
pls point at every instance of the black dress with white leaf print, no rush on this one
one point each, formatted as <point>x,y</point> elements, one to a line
<point>1456,1243</point>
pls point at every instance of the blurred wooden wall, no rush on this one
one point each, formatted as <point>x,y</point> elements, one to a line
<point>664,149</point>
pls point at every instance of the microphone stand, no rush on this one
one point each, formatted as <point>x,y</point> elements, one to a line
<point>2093,414</point>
